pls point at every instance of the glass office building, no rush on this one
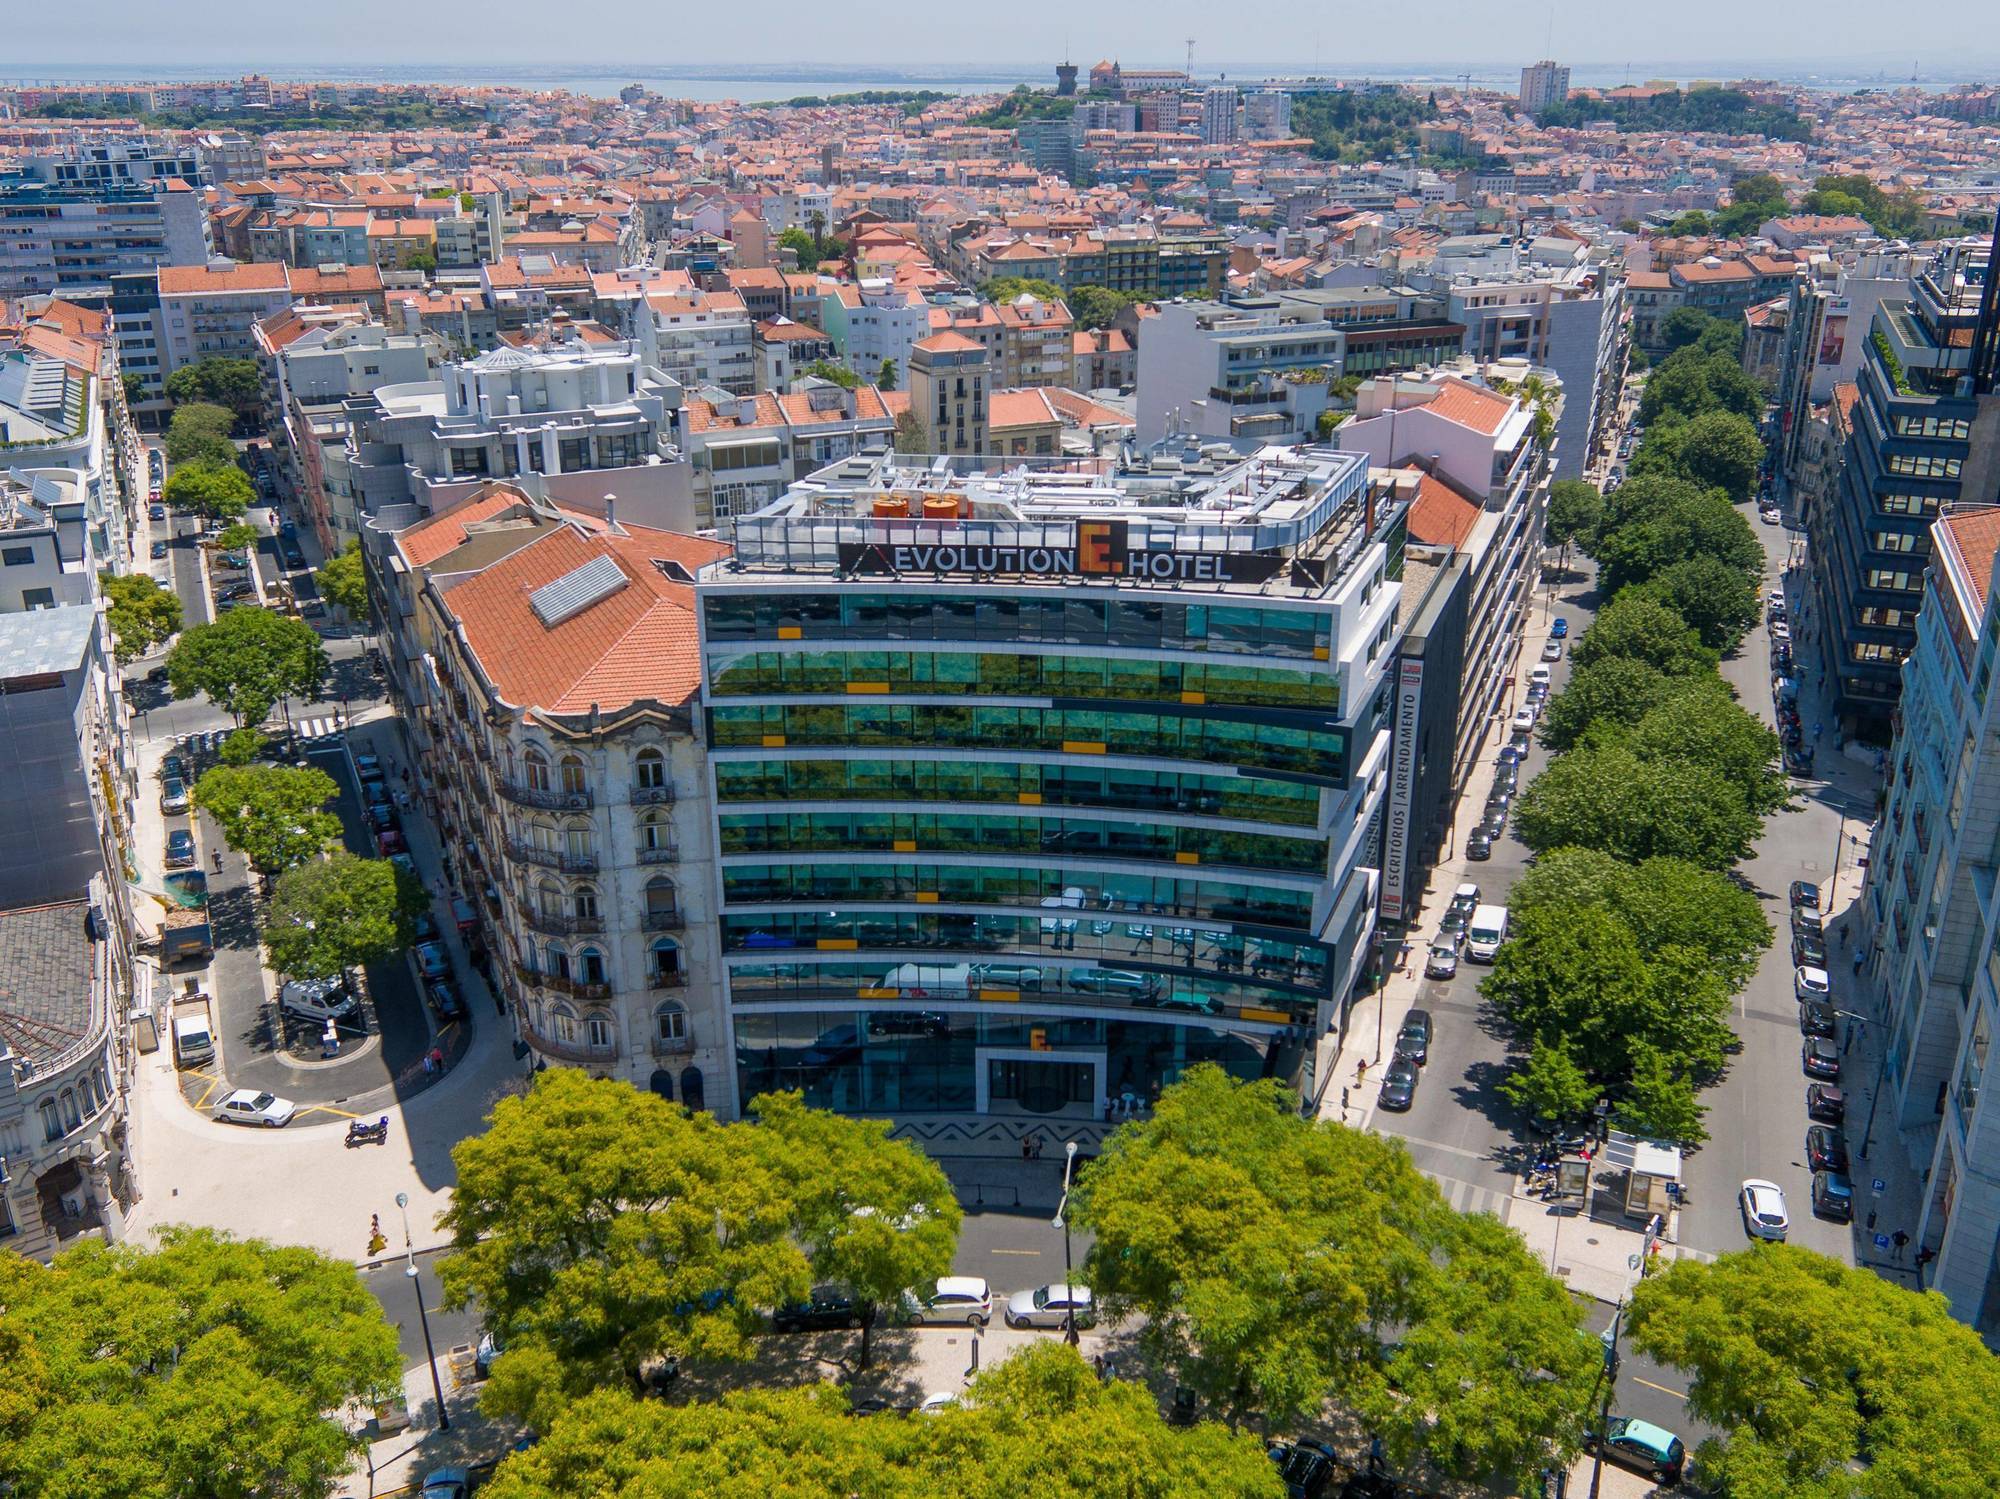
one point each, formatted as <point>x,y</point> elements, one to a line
<point>1033,789</point>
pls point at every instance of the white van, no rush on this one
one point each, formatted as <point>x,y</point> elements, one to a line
<point>928,981</point>
<point>1485,932</point>
<point>317,999</point>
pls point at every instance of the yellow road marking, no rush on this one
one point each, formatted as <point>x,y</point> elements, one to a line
<point>1677,1394</point>
<point>1027,1253</point>
<point>327,1108</point>
<point>208,1092</point>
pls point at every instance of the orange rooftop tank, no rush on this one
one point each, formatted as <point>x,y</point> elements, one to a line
<point>892,506</point>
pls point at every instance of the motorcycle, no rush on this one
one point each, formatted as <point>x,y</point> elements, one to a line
<point>361,1132</point>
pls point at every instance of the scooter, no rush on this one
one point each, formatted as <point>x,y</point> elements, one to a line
<point>361,1132</point>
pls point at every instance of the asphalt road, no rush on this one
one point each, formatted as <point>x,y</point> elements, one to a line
<point>389,1283</point>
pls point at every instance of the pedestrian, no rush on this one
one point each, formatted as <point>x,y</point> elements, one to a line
<point>436,1055</point>
<point>1925,1256</point>
<point>1038,1145</point>
<point>1027,1149</point>
<point>1343,1103</point>
<point>1361,1071</point>
<point>1860,959</point>
<point>428,1069</point>
<point>1901,1240</point>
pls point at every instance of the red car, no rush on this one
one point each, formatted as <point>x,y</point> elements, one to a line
<point>389,841</point>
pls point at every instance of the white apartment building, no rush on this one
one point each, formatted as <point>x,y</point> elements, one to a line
<point>874,321</point>
<point>53,436</point>
<point>1543,84</point>
<point>212,311</point>
<point>1219,123</point>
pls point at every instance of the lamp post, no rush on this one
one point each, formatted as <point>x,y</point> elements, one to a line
<point>1062,1222</point>
<point>423,1320</point>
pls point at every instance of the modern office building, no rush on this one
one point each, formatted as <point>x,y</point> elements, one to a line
<point>1034,788</point>
<point>57,237</point>
<point>1911,433</point>
<point>1220,117</point>
<point>1934,907</point>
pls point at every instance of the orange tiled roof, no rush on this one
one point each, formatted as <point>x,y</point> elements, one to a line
<point>200,280</point>
<point>1440,516</point>
<point>1470,406</point>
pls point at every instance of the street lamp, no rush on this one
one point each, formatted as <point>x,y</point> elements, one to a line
<point>423,1321</point>
<point>1062,1222</point>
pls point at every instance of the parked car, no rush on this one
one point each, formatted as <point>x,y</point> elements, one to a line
<point>1816,1019</point>
<point>1050,1306</point>
<point>1808,950</point>
<point>961,1299</point>
<point>445,999</point>
<point>1810,983</point>
<point>159,551</point>
<point>390,841</point>
<point>1826,1148</point>
<point>1523,720</point>
<point>1478,845</point>
<point>1560,629</point>
<point>381,816</point>
<point>1804,896</point>
<point>446,1483</point>
<point>1806,919</point>
<point>828,1309</point>
<point>1798,762</point>
<point>1465,898</point>
<point>1511,754</point>
<point>433,962</point>
<point>1833,1196</point>
<point>1781,633</point>
<point>1399,1084</point>
<point>1441,962</point>
<point>464,916</point>
<point>180,849</point>
<point>1507,778</point>
<point>1537,696</point>
<point>1540,674</point>
<point>1306,1468</point>
<point>1642,1447</point>
<point>1763,1205</point>
<point>248,1106</point>
<point>294,559</point>
<point>1452,925</point>
<point>1825,1103</point>
<point>231,592</point>
<point>1413,1040</point>
<point>156,511</point>
<point>173,795</point>
<point>1494,824</point>
<point>1820,1058</point>
<point>236,561</point>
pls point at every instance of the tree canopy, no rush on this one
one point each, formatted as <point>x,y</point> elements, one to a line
<point>1721,450</point>
<point>207,1366</point>
<point>1827,1382</point>
<point>1718,600</point>
<point>208,489</point>
<point>246,661</point>
<point>198,432</point>
<point>1609,798</point>
<point>1575,508</point>
<point>140,612</point>
<point>1900,215</point>
<point>343,582</point>
<point>274,815</point>
<point>232,383</point>
<point>1644,630</point>
<point>328,915</point>
<point>1707,111</point>
<point>1270,1254</point>
<point>1357,125</point>
<point>600,1228</point>
<point>1040,1423</point>
<point>1699,379</point>
<point>1098,306</point>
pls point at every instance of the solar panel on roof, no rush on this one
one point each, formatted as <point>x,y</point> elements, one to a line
<point>576,590</point>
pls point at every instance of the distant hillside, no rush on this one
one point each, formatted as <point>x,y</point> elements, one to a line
<point>1353,125</point>
<point>1025,104</point>
<point>1712,111</point>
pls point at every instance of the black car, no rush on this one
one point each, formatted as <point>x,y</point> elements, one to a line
<point>1414,1039</point>
<point>1820,1058</point>
<point>1833,1196</point>
<point>1497,803</point>
<point>1825,1103</point>
<point>1804,896</point>
<point>1478,845</point>
<point>445,999</point>
<point>1808,950</point>
<point>1798,762</point>
<point>1816,1019</point>
<point>1306,1468</point>
<point>1507,778</point>
<point>1512,754</point>
<point>159,550</point>
<point>1826,1148</point>
<point>1451,926</point>
<point>294,558</point>
<point>175,767</point>
<point>382,817</point>
<point>1399,1084</point>
<point>1495,824</point>
<point>827,1310</point>
<point>234,592</point>
<point>424,928</point>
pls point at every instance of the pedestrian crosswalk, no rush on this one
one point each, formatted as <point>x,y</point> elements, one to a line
<point>1470,1197</point>
<point>208,745</point>
<point>316,728</point>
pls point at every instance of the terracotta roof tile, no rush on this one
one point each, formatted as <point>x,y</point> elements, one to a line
<point>1470,406</point>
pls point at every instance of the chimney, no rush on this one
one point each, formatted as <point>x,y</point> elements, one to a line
<point>611,514</point>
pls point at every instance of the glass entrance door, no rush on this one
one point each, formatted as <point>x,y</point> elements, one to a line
<point>1039,1087</point>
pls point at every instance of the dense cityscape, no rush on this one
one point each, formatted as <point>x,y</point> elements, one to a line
<point>1158,783</point>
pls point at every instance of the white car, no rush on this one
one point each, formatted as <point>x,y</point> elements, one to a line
<point>1541,673</point>
<point>1523,721</point>
<point>1770,515</point>
<point>1553,651</point>
<point>961,1300</point>
<point>1763,1206</point>
<point>1050,1306</point>
<point>1781,633</point>
<point>248,1106</point>
<point>1810,984</point>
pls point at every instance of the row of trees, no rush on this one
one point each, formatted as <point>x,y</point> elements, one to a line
<point>1631,937</point>
<point>1089,306</point>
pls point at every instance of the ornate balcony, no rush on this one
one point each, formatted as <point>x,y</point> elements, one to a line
<point>652,796</point>
<point>675,980</point>
<point>556,924</point>
<point>664,921</point>
<point>677,1046</point>
<point>565,1051</point>
<point>574,987</point>
<point>548,801</point>
<point>668,855</point>
<point>548,858</point>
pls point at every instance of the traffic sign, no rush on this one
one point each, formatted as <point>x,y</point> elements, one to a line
<point>1878,1186</point>
<point>1881,1241</point>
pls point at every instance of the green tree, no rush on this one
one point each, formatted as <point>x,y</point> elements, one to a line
<point>601,1228</point>
<point>237,537</point>
<point>1708,729</point>
<point>1659,1101</point>
<point>885,377</point>
<point>1040,1423</point>
<point>343,582</point>
<point>1268,1255</point>
<point>1641,629</point>
<point>1574,978</point>
<point>801,244</point>
<point>273,815</point>
<point>414,259</point>
<point>1720,450</point>
<point>1826,1382</point>
<point>246,661</point>
<point>1718,600</point>
<point>1611,800</point>
<point>1575,508</point>
<point>340,912</point>
<point>207,490</point>
<point>1666,903</point>
<point>1694,222</point>
<point>1613,690</point>
<point>205,1366</point>
<point>1097,306</point>
<point>911,434</point>
<point>241,746</point>
<point>875,1215</point>
<point>1683,326</point>
<point>1700,379</point>
<point>1007,288</point>
<point>233,383</point>
<point>1548,1085</point>
<point>140,612</point>
<point>1699,523</point>
<point>194,422</point>
<point>829,369</point>
<point>134,387</point>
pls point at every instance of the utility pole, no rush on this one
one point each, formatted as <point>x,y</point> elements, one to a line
<point>1190,61</point>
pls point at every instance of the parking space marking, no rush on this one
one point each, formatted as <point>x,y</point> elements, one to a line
<point>327,1108</point>
<point>1663,1389</point>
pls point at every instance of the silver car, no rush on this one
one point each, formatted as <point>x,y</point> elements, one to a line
<point>962,1300</point>
<point>1050,1306</point>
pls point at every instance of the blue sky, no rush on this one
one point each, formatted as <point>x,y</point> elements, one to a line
<point>1436,35</point>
